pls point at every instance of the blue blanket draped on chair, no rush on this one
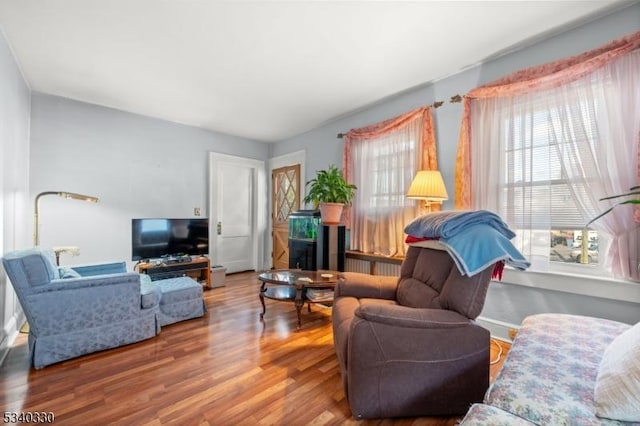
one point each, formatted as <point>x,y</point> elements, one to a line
<point>474,239</point>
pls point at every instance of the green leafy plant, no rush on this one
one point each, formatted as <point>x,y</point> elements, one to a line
<point>634,191</point>
<point>329,186</point>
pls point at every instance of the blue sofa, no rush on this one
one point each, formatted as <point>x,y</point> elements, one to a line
<point>76,312</point>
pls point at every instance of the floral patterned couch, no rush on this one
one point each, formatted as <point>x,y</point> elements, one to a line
<point>552,372</point>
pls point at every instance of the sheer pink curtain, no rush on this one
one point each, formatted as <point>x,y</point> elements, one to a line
<point>593,115</point>
<point>528,80</point>
<point>382,160</point>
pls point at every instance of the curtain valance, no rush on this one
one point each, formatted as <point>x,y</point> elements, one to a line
<point>378,130</point>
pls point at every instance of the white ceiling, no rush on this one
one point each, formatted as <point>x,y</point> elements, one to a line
<point>264,70</point>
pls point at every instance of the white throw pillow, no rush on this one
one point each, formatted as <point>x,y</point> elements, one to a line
<point>617,391</point>
<point>66,272</point>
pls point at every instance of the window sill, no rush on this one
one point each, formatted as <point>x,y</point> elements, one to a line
<point>372,257</point>
<point>594,286</point>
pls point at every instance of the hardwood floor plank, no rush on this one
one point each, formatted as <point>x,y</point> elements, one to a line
<point>225,368</point>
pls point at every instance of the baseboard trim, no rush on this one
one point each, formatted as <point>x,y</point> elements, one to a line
<point>498,329</point>
<point>10,333</point>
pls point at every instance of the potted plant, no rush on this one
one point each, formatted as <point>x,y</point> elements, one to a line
<point>330,192</point>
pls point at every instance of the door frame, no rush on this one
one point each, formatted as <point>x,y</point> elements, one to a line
<point>259,200</point>
<point>297,157</point>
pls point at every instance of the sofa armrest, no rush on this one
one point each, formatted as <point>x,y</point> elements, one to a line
<point>403,316</point>
<point>358,285</point>
<point>70,284</point>
<point>420,335</point>
<point>436,346</point>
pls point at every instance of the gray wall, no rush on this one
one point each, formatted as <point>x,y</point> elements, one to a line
<point>507,302</point>
<point>15,214</point>
<point>138,167</point>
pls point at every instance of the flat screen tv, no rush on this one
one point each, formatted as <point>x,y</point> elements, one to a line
<point>157,238</point>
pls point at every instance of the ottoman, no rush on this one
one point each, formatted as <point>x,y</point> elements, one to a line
<point>181,300</point>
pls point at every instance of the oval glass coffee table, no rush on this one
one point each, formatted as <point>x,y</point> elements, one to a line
<point>297,286</point>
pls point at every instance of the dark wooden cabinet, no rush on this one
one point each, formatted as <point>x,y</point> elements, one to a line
<point>331,247</point>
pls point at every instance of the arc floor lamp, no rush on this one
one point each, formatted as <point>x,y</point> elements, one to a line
<point>67,195</point>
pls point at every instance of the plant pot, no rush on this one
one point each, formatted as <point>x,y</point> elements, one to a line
<point>331,213</point>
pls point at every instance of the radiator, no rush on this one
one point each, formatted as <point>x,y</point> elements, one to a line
<point>382,268</point>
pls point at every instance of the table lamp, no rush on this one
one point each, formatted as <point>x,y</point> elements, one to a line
<point>429,187</point>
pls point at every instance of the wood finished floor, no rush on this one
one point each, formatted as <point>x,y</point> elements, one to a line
<point>227,368</point>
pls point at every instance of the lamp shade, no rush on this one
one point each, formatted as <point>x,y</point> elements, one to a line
<point>74,196</point>
<point>428,185</point>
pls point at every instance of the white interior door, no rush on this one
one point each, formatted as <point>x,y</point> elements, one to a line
<point>236,225</point>
<point>235,217</point>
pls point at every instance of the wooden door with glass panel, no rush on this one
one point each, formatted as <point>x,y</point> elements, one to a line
<point>286,198</point>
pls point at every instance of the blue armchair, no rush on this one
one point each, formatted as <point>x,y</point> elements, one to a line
<point>72,313</point>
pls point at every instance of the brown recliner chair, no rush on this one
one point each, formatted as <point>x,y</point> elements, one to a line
<point>409,346</point>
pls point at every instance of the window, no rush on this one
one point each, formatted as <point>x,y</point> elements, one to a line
<point>545,145</point>
<point>383,169</point>
<point>381,160</point>
<point>392,166</point>
<point>545,178</point>
<point>544,156</point>
<point>569,246</point>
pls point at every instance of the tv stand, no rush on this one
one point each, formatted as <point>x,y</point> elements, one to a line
<point>176,259</point>
<point>197,267</point>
